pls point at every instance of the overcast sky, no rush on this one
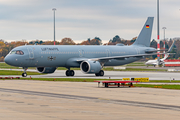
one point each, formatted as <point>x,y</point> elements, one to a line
<point>83,19</point>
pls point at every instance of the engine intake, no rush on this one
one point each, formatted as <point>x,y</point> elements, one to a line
<point>46,69</point>
<point>90,67</point>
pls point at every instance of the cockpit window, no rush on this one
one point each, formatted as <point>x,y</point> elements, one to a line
<point>13,52</point>
<point>19,52</point>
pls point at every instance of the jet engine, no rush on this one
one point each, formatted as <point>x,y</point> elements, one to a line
<point>46,69</point>
<point>90,67</point>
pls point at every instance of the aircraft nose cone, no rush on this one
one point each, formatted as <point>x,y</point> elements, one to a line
<point>7,60</point>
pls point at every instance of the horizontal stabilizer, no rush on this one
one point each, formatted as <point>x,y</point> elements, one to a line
<point>152,51</point>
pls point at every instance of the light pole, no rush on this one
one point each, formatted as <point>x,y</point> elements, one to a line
<point>54,9</point>
<point>158,41</point>
<point>164,39</point>
<point>164,32</point>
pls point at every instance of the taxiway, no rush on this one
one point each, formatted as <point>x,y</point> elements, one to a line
<point>81,100</point>
<point>109,74</point>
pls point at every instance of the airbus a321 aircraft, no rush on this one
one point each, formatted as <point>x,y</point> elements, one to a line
<point>90,59</point>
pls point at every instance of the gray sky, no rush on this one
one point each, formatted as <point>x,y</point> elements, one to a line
<point>83,19</point>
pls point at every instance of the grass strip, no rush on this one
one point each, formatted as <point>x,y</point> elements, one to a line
<point>135,69</point>
<point>11,72</point>
<point>6,66</point>
<point>176,87</point>
<point>67,79</point>
<point>164,81</point>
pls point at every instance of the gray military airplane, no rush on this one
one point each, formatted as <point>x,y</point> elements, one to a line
<point>90,58</point>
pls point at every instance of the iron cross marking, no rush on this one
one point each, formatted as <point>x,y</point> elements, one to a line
<point>51,58</point>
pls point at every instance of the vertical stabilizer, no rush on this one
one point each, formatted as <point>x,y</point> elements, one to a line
<point>144,37</point>
<point>165,56</point>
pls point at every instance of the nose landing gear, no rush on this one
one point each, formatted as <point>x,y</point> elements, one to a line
<point>24,74</point>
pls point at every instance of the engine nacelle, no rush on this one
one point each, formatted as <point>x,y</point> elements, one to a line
<point>46,69</point>
<point>90,66</point>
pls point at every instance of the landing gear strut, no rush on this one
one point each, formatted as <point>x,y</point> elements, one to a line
<point>70,73</point>
<point>100,73</point>
<point>24,74</point>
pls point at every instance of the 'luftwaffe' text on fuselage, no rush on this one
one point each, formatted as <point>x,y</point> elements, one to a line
<point>49,49</point>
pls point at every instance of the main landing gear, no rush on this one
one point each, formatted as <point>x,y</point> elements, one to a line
<point>70,73</point>
<point>100,73</point>
<point>24,74</point>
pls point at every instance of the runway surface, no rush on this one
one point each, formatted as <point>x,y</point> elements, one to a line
<point>109,74</point>
<point>118,75</point>
<point>114,75</point>
<point>81,100</point>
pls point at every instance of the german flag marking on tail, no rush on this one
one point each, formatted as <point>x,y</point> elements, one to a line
<point>147,26</point>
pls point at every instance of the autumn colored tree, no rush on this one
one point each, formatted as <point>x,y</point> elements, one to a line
<point>67,41</point>
<point>115,40</point>
<point>38,42</point>
<point>95,42</point>
<point>48,43</point>
<point>87,42</point>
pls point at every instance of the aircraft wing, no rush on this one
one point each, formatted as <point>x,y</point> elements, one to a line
<point>115,57</point>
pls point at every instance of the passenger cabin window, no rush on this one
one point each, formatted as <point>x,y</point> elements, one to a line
<point>19,52</point>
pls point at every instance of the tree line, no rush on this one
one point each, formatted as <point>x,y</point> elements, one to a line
<point>6,47</point>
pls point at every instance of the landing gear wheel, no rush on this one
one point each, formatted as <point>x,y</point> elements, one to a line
<point>24,75</point>
<point>97,74</point>
<point>100,73</point>
<point>67,72</point>
<point>71,73</point>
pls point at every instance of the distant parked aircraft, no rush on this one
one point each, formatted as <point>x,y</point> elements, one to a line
<point>91,59</point>
<point>161,61</point>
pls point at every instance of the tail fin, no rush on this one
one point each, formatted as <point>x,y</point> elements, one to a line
<point>171,46</point>
<point>165,56</point>
<point>145,34</point>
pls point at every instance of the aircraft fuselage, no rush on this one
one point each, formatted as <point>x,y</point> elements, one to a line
<point>61,55</point>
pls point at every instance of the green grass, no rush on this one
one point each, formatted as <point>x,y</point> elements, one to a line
<point>10,72</point>
<point>67,79</point>
<point>5,66</point>
<point>135,69</point>
<point>177,87</point>
<point>63,68</point>
<point>136,64</point>
<point>88,79</point>
<point>165,81</point>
